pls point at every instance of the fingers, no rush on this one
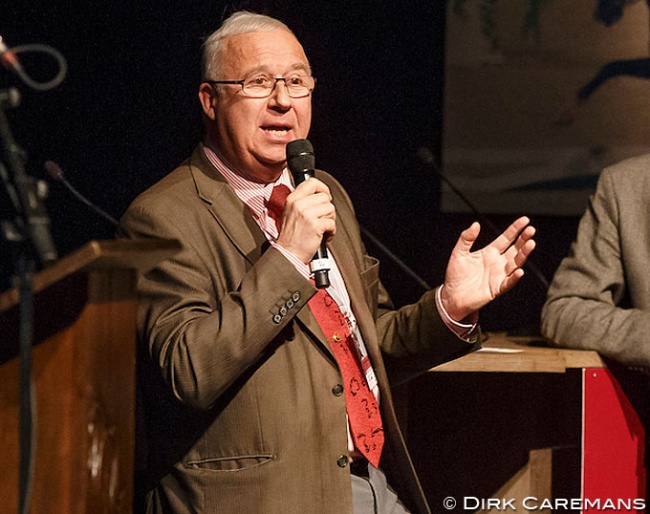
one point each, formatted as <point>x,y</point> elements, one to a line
<point>511,280</point>
<point>527,234</point>
<point>310,187</point>
<point>518,230</point>
<point>308,216</point>
<point>312,201</point>
<point>516,258</point>
<point>522,248</point>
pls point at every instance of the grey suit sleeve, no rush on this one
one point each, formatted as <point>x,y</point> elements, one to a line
<point>587,304</point>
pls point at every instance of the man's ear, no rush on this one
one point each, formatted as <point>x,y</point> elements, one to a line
<point>208,98</point>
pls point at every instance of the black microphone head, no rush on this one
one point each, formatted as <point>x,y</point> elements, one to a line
<point>301,159</point>
<point>53,170</point>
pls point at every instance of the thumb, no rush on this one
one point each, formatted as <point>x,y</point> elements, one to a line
<point>468,238</point>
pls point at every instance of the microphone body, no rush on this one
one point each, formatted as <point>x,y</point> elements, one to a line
<point>301,162</point>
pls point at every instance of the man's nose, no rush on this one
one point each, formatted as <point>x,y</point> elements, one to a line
<point>280,94</point>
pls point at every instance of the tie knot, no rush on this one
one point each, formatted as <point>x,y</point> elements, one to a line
<point>275,205</point>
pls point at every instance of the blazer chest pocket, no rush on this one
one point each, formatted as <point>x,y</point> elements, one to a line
<point>370,280</point>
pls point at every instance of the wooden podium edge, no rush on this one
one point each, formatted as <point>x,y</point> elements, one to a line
<point>140,255</point>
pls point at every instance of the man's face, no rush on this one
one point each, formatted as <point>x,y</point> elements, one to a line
<point>252,133</point>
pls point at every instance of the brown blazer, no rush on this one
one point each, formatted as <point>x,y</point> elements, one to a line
<point>600,295</point>
<point>238,386</point>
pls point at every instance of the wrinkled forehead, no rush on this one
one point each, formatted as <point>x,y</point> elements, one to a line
<point>275,52</point>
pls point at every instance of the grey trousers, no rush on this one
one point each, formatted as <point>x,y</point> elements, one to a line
<point>373,495</point>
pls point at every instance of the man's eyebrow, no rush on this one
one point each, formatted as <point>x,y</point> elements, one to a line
<point>304,67</point>
<point>299,66</point>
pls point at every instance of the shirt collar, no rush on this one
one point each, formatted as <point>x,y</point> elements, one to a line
<point>254,194</point>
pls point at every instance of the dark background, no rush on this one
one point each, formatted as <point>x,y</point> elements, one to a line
<point>127,114</point>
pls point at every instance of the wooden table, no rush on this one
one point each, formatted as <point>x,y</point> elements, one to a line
<point>518,420</point>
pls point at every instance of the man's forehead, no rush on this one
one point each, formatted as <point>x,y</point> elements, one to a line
<point>264,50</point>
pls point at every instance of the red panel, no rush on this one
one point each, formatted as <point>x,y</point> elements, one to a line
<point>613,471</point>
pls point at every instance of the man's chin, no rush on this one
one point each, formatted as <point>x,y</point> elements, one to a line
<point>275,160</point>
<point>266,172</point>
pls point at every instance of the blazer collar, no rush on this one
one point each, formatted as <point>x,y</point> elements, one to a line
<point>228,210</point>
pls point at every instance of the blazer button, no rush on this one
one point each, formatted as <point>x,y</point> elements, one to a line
<point>342,461</point>
<point>337,390</point>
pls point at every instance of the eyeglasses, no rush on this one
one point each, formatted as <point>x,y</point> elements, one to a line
<point>298,86</point>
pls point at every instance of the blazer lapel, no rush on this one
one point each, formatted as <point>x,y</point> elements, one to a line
<point>355,287</point>
<point>233,216</point>
<point>339,251</point>
<point>242,230</point>
<point>345,261</point>
<point>226,207</point>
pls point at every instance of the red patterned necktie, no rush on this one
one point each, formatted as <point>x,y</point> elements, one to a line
<point>362,408</point>
<point>275,205</point>
<point>363,411</point>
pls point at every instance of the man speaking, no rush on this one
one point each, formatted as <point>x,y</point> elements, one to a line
<point>262,393</point>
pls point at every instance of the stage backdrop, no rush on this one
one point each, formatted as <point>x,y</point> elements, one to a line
<point>528,121</point>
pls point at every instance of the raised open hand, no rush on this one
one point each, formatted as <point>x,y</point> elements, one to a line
<point>474,279</point>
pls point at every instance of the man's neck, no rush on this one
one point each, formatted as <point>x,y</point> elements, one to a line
<point>266,176</point>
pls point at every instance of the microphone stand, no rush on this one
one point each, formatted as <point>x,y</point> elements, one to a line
<point>29,233</point>
<point>31,222</point>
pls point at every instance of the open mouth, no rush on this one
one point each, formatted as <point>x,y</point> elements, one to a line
<point>277,131</point>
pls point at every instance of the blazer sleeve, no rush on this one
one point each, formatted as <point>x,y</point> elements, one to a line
<point>206,317</point>
<point>413,338</point>
<point>588,304</point>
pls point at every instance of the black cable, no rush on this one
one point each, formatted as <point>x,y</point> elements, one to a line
<point>426,157</point>
<point>395,259</point>
<point>53,52</point>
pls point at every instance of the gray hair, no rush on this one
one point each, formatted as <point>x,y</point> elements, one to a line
<point>240,22</point>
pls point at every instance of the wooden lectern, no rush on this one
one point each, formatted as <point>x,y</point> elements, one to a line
<point>83,370</point>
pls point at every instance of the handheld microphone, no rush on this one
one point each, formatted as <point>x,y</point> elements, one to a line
<point>55,171</point>
<point>301,162</point>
